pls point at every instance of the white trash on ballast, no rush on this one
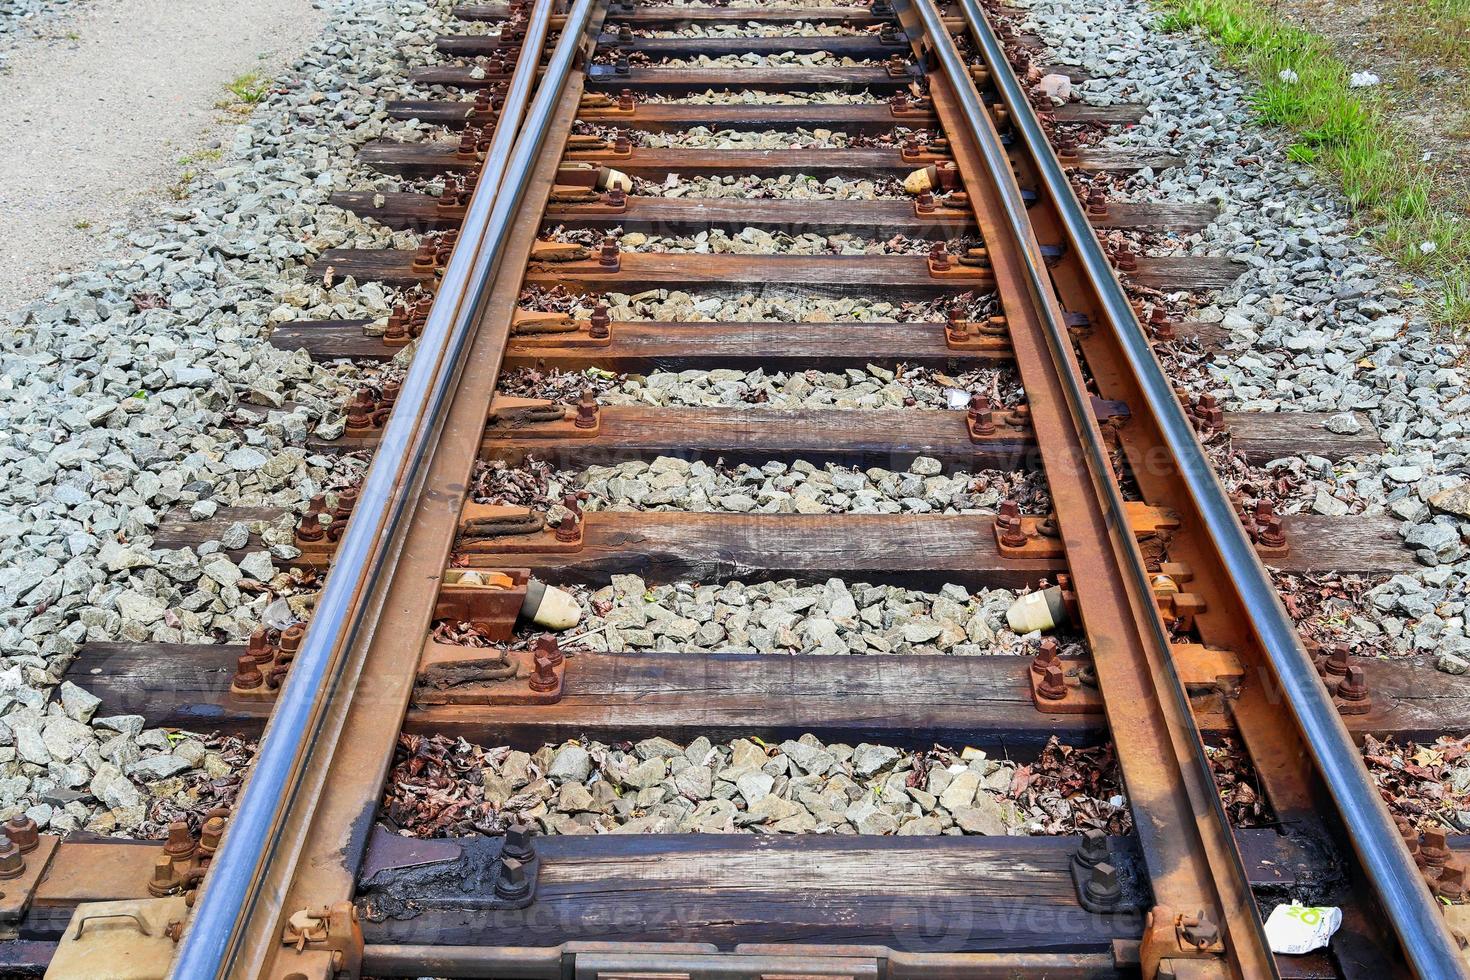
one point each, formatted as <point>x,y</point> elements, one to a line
<point>1298,928</point>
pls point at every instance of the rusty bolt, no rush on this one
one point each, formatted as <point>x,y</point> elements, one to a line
<point>518,843</point>
<point>1093,850</point>
<point>469,142</point>
<point>601,322</point>
<point>1268,526</point>
<point>210,835</point>
<point>1160,324</point>
<point>1451,882</point>
<point>165,880</point>
<point>310,526</point>
<point>346,501</point>
<point>1124,259</point>
<point>259,648</point>
<point>982,419</point>
<point>1008,518</point>
<point>1338,660</point>
<point>360,409</point>
<point>546,644</point>
<point>390,393</point>
<point>1053,686</point>
<point>607,255</point>
<point>899,102</point>
<point>626,101</point>
<point>1067,150</point>
<point>1020,416</point>
<point>566,531</point>
<point>396,328</point>
<point>543,678</point>
<point>1199,930</point>
<point>1102,885</point>
<point>1097,204</point>
<point>924,204</point>
<point>291,638</point>
<point>1046,655</point>
<point>247,674</point>
<point>1208,414</point>
<point>423,257</point>
<point>180,845</point>
<point>12,862</point>
<point>939,259</point>
<point>622,144</point>
<point>1436,848</point>
<point>957,326</point>
<point>625,34</point>
<point>512,882</point>
<point>586,411</point>
<point>22,831</point>
<point>617,198</point>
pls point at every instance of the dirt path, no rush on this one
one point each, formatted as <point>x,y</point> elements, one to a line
<point>99,113</point>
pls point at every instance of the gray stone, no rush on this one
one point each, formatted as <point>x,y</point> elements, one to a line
<point>570,762</point>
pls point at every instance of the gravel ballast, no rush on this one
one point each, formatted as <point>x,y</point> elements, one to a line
<point>443,788</point>
<point>146,385</point>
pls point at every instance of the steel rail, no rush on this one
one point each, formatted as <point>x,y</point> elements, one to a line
<point>1415,916</point>
<point>231,892</point>
<point>1248,951</point>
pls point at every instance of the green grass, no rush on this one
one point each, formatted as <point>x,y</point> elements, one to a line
<point>248,89</point>
<point>1348,132</point>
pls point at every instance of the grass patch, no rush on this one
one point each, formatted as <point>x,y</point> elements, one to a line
<point>247,90</point>
<point>1303,89</point>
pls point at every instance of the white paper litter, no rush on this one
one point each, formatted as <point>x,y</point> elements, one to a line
<point>1298,928</point>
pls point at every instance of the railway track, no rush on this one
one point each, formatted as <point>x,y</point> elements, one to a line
<point>965,224</point>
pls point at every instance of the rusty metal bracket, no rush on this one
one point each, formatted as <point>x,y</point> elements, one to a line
<point>536,329</point>
<point>1204,668</point>
<point>1170,935</point>
<point>453,674</point>
<point>492,872</point>
<point>1025,537</point>
<point>557,252</point>
<point>541,418</point>
<point>497,529</point>
<point>25,856</point>
<point>597,148</point>
<point>1059,687</point>
<point>321,942</point>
